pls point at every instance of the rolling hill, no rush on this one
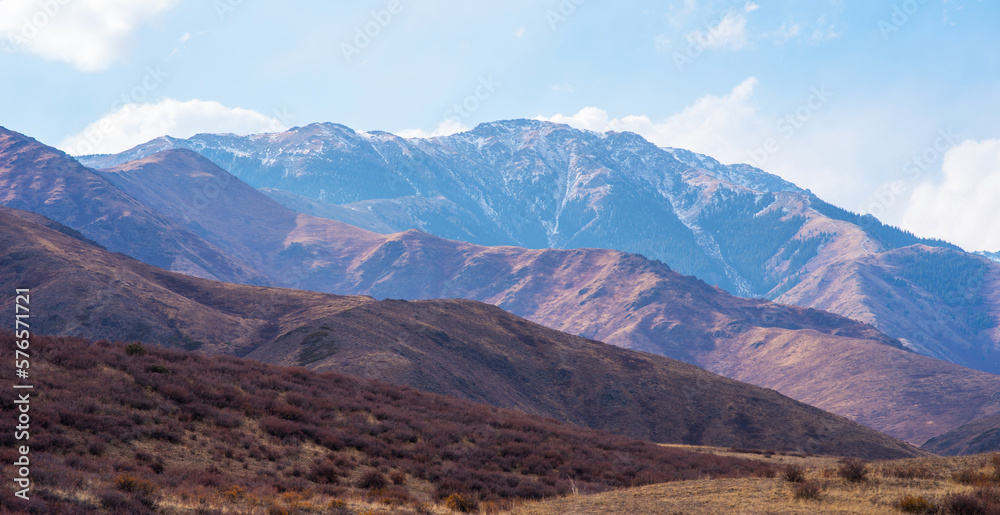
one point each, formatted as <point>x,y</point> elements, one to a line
<point>978,436</point>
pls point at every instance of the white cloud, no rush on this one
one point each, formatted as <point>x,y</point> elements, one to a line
<point>729,34</point>
<point>521,32</point>
<point>89,34</point>
<point>134,124</point>
<point>963,208</point>
<point>785,33</point>
<point>723,127</point>
<point>445,128</point>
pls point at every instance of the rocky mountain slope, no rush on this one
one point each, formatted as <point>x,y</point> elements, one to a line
<point>41,179</point>
<point>619,298</point>
<point>537,184</point>
<point>453,347</point>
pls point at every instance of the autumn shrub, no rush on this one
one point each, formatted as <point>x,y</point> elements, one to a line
<point>461,503</point>
<point>398,477</point>
<point>325,471</point>
<point>117,502</point>
<point>806,490</point>
<point>338,507</point>
<point>371,479</point>
<point>911,472</point>
<point>853,470</point>
<point>966,504</point>
<point>915,504</point>
<point>969,476</point>
<point>130,484</point>
<point>794,474</point>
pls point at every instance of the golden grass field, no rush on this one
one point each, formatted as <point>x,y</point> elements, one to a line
<point>935,478</point>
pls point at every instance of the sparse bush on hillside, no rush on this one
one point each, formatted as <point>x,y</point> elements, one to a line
<point>915,504</point>
<point>459,502</point>
<point>911,472</point>
<point>807,490</point>
<point>969,476</point>
<point>135,349</point>
<point>853,470</point>
<point>372,480</point>
<point>966,504</point>
<point>794,474</point>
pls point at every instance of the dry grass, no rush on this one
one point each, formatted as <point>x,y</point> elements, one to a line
<point>889,482</point>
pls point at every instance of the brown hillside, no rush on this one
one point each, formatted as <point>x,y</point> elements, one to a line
<point>976,437</point>
<point>128,429</point>
<point>457,347</point>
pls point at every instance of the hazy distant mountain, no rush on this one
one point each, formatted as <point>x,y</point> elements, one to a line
<point>995,256</point>
<point>453,347</point>
<point>537,184</point>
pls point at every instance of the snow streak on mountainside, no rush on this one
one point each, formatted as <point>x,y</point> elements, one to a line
<point>526,183</point>
<point>544,185</point>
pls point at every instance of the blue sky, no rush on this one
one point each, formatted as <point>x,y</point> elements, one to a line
<point>838,97</point>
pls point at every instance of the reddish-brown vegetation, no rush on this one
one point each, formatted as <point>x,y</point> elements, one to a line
<point>124,430</point>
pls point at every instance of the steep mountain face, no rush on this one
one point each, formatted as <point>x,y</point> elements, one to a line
<point>40,179</point>
<point>934,296</point>
<point>523,183</point>
<point>455,347</point>
<point>622,299</point>
<point>536,184</point>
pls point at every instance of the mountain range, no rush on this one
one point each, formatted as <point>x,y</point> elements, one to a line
<point>453,347</point>
<point>624,299</point>
<point>542,185</point>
